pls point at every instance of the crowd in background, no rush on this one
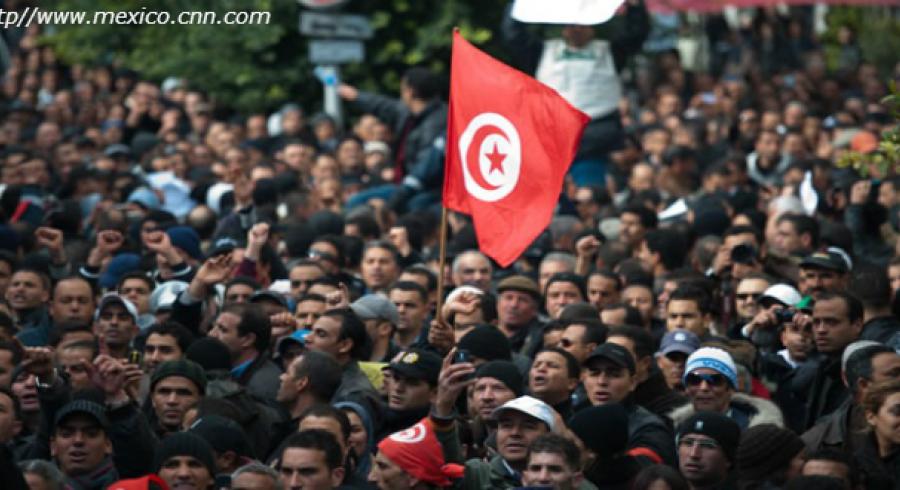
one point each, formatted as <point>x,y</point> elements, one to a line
<point>194,298</point>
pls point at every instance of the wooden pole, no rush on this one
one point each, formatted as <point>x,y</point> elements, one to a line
<point>442,261</point>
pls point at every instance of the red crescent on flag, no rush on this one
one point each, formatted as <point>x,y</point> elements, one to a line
<point>473,157</point>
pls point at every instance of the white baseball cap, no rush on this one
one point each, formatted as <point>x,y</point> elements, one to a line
<point>783,293</point>
<point>529,406</point>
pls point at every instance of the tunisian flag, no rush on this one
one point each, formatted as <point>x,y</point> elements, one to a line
<point>510,142</point>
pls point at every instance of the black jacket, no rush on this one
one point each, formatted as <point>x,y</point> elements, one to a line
<point>647,431</point>
<point>827,391</point>
<point>880,329</point>
<point>420,136</point>
<point>134,443</point>
<point>877,473</point>
<point>656,396</point>
<point>836,431</point>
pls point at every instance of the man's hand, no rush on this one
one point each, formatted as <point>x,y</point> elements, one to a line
<point>586,249</point>
<point>159,242</point>
<point>466,302</point>
<point>283,324</point>
<point>347,92</point>
<point>108,375</point>
<point>440,336</point>
<point>52,240</point>
<point>109,241</point>
<point>452,381</point>
<point>338,299</point>
<point>256,238</point>
<point>763,319</point>
<point>587,246</point>
<point>39,362</point>
<point>133,376</point>
<point>215,270</point>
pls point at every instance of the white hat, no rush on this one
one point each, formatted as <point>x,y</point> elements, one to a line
<point>713,358</point>
<point>529,406</point>
<point>165,294</point>
<point>783,293</point>
<point>854,347</point>
<point>110,298</point>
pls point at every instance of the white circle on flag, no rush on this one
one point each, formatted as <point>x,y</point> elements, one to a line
<point>412,435</point>
<point>491,156</point>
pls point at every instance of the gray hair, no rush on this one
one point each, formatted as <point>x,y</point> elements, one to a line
<point>46,470</point>
<point>564,257</point>
<point>468,253</point>
<point>260,469</point>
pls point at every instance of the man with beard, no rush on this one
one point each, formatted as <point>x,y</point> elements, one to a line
<point>519,422</point>
<point>175,388</point>
<point>823,272</point>
<point>496,383</point>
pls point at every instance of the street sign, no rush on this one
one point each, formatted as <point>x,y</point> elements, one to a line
<point>322,4</point>
<point>335,51</point>
<point>335,25</point>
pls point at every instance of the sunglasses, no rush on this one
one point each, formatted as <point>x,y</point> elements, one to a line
<point>690,442</point>
<point>746,296</point>
<point>696,379</point>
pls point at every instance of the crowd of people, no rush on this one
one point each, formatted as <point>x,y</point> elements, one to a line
<point>196,299</point>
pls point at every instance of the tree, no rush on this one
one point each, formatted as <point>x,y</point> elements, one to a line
<point>260,67</point>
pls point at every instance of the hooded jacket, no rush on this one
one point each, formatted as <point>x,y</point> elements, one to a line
<point>364,463</point>
<point>746,410</point>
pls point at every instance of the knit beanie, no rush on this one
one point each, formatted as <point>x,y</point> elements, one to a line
<point>504,371</point>
<point>713,358</point>
<point>186,238</point>
<point>186,444</point>
<point>486,342</point>
<point>223,434</point>
<point>211,354</point>
<point>765,449</point>
<point>720,427</point>
<point>602,428</point>
<point>182,367</point>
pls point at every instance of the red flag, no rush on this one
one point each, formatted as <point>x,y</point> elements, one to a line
<point>510,142</point>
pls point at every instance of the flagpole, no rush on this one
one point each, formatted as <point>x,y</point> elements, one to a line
<point>442,260</point>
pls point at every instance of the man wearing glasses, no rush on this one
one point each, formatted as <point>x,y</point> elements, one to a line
<point>707,442</point>
<point>747,295</point>
<point>710,382</point>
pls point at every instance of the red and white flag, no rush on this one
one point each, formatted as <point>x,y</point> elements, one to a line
<point>510,142</point>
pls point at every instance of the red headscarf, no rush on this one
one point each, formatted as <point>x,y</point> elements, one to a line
<point>148,482</point>
<point>417,451</point>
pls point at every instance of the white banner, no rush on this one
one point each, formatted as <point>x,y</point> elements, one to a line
<point>582,12</point>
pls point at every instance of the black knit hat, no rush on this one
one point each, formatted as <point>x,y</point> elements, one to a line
<point>87,407</point>
<point>211,354</point>
<point>504,371</point>
<point>486,342</point>
<point>603,428</point>
<point>765,449</point>
<point>222,434</point>
<point>722,429</point>
<point>182,367</point>
<point>186,444</point>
